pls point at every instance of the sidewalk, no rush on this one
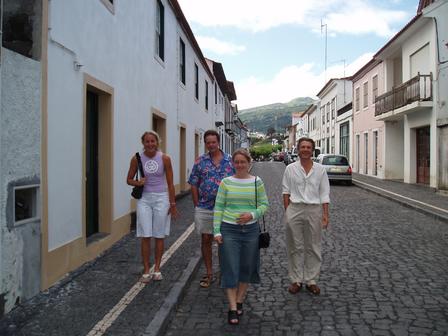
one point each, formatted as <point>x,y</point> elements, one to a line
<point>104,296</point>
<point>419,197</point>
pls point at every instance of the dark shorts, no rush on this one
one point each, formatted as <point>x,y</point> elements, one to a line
<point>239,255</point>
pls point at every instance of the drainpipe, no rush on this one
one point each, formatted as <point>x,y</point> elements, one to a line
<point>76,64</point>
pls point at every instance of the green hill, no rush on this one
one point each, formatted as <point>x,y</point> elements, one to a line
<point>276,115</point>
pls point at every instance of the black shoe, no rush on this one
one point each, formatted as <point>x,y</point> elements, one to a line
<point>232,317</point>
<point>239,308</point>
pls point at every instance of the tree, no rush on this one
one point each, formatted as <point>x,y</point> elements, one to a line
<point>270,132</point>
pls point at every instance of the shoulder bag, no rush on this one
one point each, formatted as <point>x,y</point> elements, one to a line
<point>137,192</point>
<point>264,238</point>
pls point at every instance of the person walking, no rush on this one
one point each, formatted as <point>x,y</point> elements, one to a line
<point>206,175</point>
<point>157,205</point>
<point>306,196</point>
<point>240,202</point>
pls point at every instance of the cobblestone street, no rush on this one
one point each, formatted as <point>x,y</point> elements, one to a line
<point>385,272</point>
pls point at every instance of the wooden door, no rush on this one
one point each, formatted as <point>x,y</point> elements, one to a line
<point>423,154</point>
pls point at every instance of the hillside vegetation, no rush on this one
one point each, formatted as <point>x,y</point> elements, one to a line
<point>262,118</point>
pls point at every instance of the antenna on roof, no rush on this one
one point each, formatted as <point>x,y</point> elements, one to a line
<point>321,26</point>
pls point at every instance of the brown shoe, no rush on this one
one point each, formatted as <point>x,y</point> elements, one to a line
<point>294,288</point>
<point>313,289</point>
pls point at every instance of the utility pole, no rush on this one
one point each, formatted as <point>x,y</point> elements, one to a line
<point>321,26</point>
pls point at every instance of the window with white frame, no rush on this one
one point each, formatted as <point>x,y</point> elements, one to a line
<point>160,30</point>
<point>357,99</point>
<point>374,88</point>
<point>365,91</point>
<point>182,60</point>
<point>366,153</point>
<point>333,108</point>
<point>216,93</point>
<point>196,81</point>
<point>206,95</point>
<point>344,139</point>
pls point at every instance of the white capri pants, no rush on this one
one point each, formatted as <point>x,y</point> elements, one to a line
<point>152,215</point>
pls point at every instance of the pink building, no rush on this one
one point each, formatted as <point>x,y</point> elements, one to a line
<point>368,133</point>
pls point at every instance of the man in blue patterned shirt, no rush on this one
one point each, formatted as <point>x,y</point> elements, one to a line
<point>208,171</point>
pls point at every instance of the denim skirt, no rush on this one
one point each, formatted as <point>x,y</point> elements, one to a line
<point>239,255</point>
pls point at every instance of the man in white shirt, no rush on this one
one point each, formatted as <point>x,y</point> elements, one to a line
<point>306,195</point>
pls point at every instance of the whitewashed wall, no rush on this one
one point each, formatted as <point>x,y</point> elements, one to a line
<point>119,50</point>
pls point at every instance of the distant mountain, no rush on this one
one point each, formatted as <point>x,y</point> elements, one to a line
<point>261,118</point>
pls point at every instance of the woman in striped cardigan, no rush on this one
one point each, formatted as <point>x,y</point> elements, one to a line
<point>240,202</point>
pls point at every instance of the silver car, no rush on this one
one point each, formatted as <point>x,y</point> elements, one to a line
<point>337,166</point>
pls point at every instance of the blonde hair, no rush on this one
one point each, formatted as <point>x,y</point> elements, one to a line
<point>244,152</point>
<point>153,133</point>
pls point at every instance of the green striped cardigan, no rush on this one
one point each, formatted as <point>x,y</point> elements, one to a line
<point>236,196</point>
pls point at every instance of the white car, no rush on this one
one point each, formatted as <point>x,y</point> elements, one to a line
<point>337,166</point>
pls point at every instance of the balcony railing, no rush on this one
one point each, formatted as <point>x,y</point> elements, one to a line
<point>418,88</point>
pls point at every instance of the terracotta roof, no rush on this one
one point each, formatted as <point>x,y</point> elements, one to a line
<point>189,33</point>
<point>231,91</point>
<point>220,76</point>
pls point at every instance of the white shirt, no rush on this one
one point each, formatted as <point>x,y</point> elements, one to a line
<point>313,188</point>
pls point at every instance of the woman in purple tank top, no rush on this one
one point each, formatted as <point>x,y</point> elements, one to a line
<point>157,205</point>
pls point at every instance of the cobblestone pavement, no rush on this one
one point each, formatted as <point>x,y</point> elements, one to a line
<point>385,272</point>
<point>416,196</point>
<point>78,302</point>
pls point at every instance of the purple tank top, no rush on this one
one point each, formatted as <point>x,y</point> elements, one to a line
<point>154,173</point>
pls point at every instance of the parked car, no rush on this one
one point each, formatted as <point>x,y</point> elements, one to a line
<point>337,167</point>
<point>290,158</point>
<point>279,156</point>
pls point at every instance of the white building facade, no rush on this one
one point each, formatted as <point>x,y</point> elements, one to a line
<point>333,96</point>
<point>107,72</point>
<point>409,107</point>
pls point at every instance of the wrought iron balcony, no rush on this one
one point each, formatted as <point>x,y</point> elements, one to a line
<point>417,89</point>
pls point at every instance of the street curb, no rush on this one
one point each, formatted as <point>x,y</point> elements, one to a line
<point>160,321</point>
<point>404,203</point>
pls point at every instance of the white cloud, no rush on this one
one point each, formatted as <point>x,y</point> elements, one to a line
<point>219,47</point>
<point>291,82</point>
<point>360,18</point>
<point>342,16</point>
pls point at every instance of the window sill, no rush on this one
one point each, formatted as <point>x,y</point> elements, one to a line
<point>159,60</point>
<point>26,221</point>
<point>109,6</point>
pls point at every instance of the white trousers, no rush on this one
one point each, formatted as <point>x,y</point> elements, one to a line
<point>152,215</point>
<point>303,242</point>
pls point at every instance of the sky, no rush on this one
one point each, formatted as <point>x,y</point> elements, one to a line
<point>274,51</point>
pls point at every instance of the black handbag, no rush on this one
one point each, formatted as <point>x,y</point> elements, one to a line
<point>264,239</point>
<point>137,192</point>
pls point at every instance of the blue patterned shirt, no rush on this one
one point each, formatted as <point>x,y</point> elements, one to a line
<point>206,177</point>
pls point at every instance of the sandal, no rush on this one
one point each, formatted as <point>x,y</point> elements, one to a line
<point>239,308</point>
<point>145,278</point>
<point>295,287</point>
<point>157,276</point>
<point>207,280</point>
<point>313,289</point>
<point>232,317</point>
